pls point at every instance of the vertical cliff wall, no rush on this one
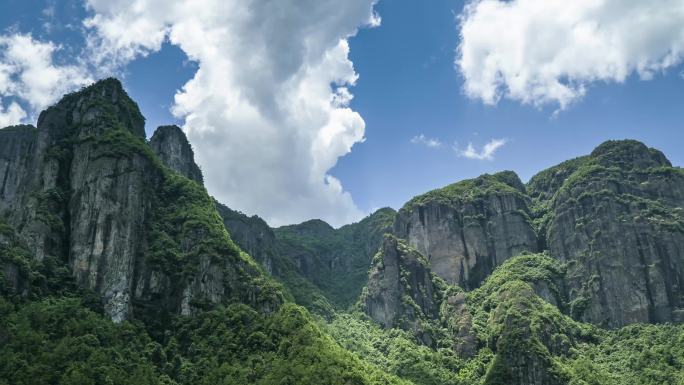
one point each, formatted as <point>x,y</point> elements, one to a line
<point>470,227</point>
<point>617,218</point>
<point>85,188</point>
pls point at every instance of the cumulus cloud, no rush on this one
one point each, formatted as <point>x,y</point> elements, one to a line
<point>429,142</point>
<point>11,115</point>
<point>268,108</point>
<point>549,51</point>
<point>30,76</point>
<point>487,152</point>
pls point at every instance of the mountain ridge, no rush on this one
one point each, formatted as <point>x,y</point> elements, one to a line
<point>573,278</point>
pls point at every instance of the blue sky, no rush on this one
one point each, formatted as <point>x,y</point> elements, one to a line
<point>408,85</point>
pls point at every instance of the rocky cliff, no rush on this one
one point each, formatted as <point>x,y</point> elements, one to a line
<point>85,188</point>
<point>319,265</point>
<point>402,291</point>
<point>73,198</point>
<point>252,234</point>
<point>172,148</point>
<point>617,218</point>
<point>470,227</point>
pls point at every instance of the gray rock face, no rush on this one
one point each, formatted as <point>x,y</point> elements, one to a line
<point>85,188</point>
<point>468,228</point>
<point>16,146</point>
<point>401,289</point>
<point>617,218</point>
<point>252,234</point>
<point>74,196</point>
<point>173,149</point>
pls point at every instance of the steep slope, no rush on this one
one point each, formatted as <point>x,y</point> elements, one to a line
<point>402,292</point>
<point>335,260</point>
<point>617,217</point>
<point>63,168</point>
<point>95,228</point>
<point>93,195</point>
<point>172,148</point>
<point>506,314</point>
<point>322,267</point>
<point>517,333</point>
<point>470,227</point>
<point>252,234</point>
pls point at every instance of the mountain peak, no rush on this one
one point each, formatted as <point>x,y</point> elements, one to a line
<point>398,272</point>
<point>630,153</point>
<point>104,102</point>
<point>173,149</point>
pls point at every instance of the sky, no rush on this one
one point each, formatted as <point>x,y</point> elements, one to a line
<point>302,109</point>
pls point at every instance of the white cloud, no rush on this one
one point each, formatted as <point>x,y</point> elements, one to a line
<point>549,51</point>
<point>11,115</point>
<point>430,142</point>
<point>29,74</point>
<point>487,152</point>
<point>260,111</point>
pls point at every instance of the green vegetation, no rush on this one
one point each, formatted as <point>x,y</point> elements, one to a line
<point>335,261</point>
<point>52,332</point>
<point>636,354</point>
<point>506,182</point>
<point>63,338</point>
<point>520,332</point>
<point>515,326</point>
<point>398,352</point>
<point>544,184</point>
<point>61,341</point>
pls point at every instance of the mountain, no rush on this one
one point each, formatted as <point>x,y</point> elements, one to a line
<point>116,266</point>
<point>321,267</point>
<point>172,148</point>
<point>335,260</point>
<point>89,192</point>
<point>402,291</point>
<point>123,270</point>
<point>468,228</point>
<point>616,217</point>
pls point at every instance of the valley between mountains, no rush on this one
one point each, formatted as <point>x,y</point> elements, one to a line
<point>117,267</point>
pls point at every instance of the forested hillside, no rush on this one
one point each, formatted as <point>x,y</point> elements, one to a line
<point>117,267</point>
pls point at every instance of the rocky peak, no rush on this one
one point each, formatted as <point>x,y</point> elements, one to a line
<point>468,228</point>
<point>85,189</point>
<point>628,154</point>
<point>175,152</point>
<point>616,217</point>
<point>401,290</point>
<point>544,184</point>
<point>507,177</point>
<point>98,107</point>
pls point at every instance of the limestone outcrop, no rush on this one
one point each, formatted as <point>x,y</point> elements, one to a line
<point>469,228</point>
